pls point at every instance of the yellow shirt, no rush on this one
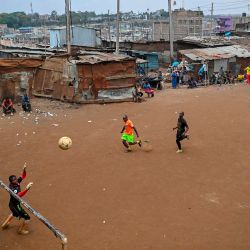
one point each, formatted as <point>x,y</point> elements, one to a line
<point>248,70</point>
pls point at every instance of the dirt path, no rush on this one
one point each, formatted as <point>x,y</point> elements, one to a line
<point>105,199</point>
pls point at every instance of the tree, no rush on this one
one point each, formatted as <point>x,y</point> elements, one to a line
<point>54,15</point>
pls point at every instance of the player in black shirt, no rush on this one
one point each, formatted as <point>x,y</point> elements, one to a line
<point>182,129</point>
<point>14,204</point>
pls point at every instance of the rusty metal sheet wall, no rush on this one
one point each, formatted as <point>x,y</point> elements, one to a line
<point>54,64</point>
<point>98,75</point>
<point>46,79</point>
<point>15,83</point>
<point>20,63</point>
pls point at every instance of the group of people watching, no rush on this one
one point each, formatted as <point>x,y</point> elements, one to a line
<point>8,105</point>
<point>179,75</point>
<point>222,77</point>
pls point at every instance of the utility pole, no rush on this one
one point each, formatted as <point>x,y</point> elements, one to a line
<point>109,33</point>
<point>200,23</point>
<point>133,31</point>
<point>212,19</point>
<point>68,26</point>
<point>118,28</point>
<point>171,31</point>
<point>31,9</point>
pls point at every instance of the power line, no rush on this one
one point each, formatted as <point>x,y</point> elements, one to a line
<point>220,5</point>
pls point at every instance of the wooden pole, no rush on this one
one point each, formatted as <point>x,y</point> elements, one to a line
<point>118,28</point>
<point>52,228</point>
<point>68,26</point>
<point>171,31</point>
<point>212,19</point>
<point>109,31</point>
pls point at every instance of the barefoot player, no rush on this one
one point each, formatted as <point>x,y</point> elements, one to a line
<point>127,134</point>
<point>14,204</point>
<point>182,129</point>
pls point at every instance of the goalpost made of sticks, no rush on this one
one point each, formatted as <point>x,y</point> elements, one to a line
<point>57,233</point>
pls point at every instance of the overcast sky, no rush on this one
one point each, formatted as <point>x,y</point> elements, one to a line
<point>102,6</point>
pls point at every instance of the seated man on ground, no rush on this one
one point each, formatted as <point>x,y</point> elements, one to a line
<point>26,103</point>
<point>8,107</point>
<point>137,93</point>
<point>192,83</point>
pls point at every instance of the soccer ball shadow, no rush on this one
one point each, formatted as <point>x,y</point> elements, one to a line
<point>147,146</point>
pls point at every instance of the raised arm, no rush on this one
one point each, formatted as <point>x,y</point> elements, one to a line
<point>24,174</point>
<point>22,193</point>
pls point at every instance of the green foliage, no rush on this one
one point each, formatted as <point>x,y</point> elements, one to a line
<point>15,20</point>
<point>19,19</point>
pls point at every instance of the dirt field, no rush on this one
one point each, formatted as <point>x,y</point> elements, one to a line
<point>103,198</point>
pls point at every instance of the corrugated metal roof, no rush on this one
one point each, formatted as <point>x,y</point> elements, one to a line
<point>74,26</point>
<point>98,57</point>
<point>28,52</point>
<point>237,50</point>
<point>216,53</point>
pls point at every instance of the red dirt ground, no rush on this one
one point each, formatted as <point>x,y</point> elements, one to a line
<point>148,201</point>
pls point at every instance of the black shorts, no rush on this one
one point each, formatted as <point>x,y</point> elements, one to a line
<point>180,136</point>
<point>19,212</point>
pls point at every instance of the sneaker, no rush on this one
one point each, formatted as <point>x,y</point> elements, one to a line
<point>23,232</point>
<point>11,114</point>
<point>5,226</point>
<point>139,143</point>
<point>179,151</point>
<point>3,115</point>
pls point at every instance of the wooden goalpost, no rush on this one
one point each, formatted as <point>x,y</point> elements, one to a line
<point>57,233</point>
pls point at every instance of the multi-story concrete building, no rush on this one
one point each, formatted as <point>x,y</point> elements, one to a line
<point>185,23</point>
<point>240,20</point>
<point>161,31</point>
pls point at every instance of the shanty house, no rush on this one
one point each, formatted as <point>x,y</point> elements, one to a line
<point>232,58</point>
<point>89,77</point>
<point>81,36</point>
<point>151,57</point>
<point>17,76</point>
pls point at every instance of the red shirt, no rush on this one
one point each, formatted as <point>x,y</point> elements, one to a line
<point>7,103</point>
